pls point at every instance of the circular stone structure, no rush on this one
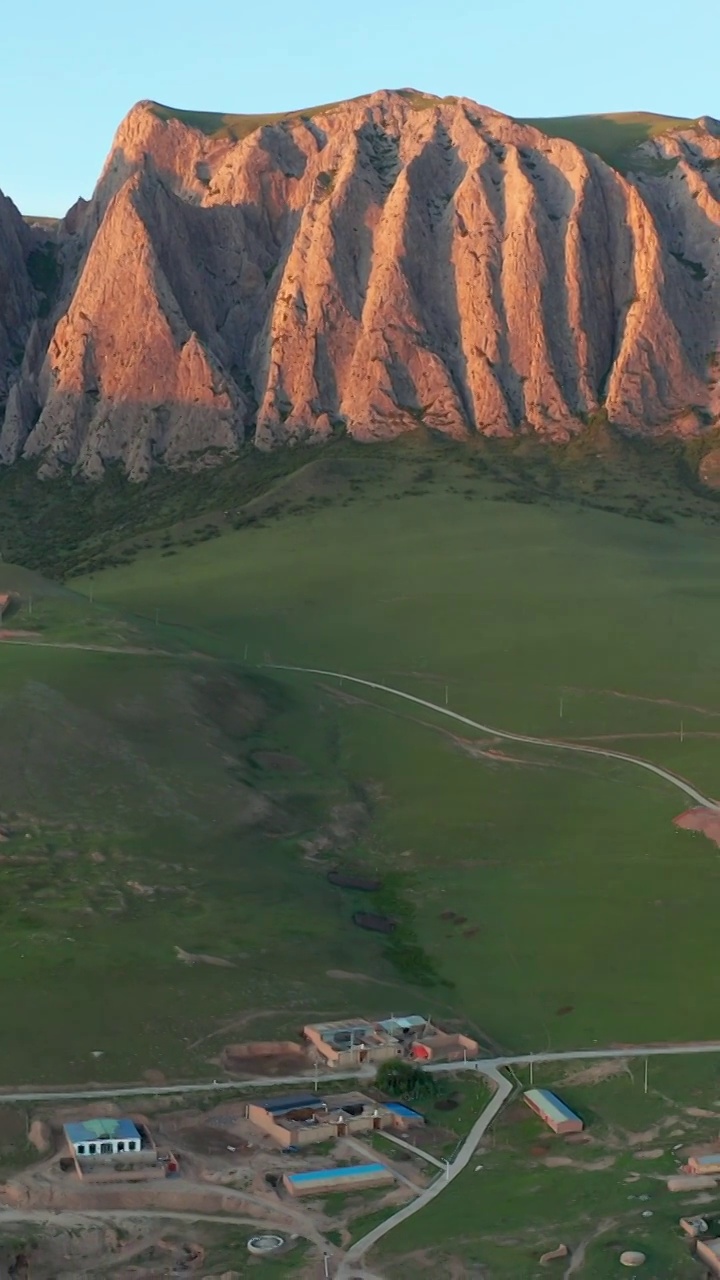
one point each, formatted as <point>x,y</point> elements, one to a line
<point>263,1245</point>
<point>632,1259</point>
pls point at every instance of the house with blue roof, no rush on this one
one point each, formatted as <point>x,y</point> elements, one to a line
<point>88,1139</point>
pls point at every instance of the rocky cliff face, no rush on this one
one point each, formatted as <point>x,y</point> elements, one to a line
<point>17,296</point>
<point>384,263</point>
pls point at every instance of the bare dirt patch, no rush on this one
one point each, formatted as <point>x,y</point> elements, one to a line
<point>706,821</point>
<point>653,1154</point>
<point>598,1072</point>
<point>12,1126</point>
<point>263,1057</point>
<point>343,975</point>
<point>39,1136</point>
<point>188,957</point>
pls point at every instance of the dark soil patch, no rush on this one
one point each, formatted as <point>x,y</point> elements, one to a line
<point>447,915</point>
<point>12,1126</point>
<point>207,1141</point>
<point>374,923</point>
<point>278,761</point>
<point>447,1104</point>
<point>470,933</point>
<point>461,920</point>
<point>346,881</point>
<point>566,1008</point>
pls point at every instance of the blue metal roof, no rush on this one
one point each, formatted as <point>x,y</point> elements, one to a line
<point>550,1105</point>
<point>97,1130</point>
<point>277,1106</point>
<point>351,1171</point>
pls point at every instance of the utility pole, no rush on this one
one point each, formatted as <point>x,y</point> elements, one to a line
<point>646,1075</point>
<point>561,708</point>
<point>446,695</point>
<point>682,732</point>
<point>531,1073</point>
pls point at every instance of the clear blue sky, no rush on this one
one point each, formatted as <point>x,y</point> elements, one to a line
<point>70,71</point>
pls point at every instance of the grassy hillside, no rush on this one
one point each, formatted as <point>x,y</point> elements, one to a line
<point>614,137</point>
<point>486,577</point>
<point>515,609</point>
<point>149,804</point>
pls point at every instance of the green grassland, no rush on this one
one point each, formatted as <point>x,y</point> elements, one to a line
<point>139,816</point>
<point>511,1205</point>
<point>531,589</point>
<point>615,137</point>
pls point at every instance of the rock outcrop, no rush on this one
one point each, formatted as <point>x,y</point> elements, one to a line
<point>380,264</point>
<point>17,297</point>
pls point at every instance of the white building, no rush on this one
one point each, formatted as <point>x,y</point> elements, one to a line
<point>88,1138</point>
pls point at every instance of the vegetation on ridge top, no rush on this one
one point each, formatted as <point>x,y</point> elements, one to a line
<point>221,125</point>
<point>613,136</point>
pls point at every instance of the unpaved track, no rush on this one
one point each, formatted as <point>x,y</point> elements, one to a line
<point>366,1073</point>
<point>348,1267</point>
<point>95,648</point>
<point>556,744</point>
<point>75,1216</point>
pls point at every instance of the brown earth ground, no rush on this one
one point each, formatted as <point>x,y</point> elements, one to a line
<point>227,1169</point>
<point>706,821</point>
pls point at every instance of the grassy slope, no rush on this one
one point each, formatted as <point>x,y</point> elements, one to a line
<point>150,763</point>
<point>571,872</point>
<point>614,137</point>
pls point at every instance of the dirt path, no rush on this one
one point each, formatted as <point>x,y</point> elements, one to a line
<point>96,648</point>
<point>556,744</point>
<point>348,1268</point>
<point>577,1258</point>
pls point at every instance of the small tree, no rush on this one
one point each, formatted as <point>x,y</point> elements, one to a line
<point>403,1080</point>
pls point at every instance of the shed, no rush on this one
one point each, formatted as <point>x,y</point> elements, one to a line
<point>88,1138</point>
<point>553,1111</point>
<point>707,1163</point>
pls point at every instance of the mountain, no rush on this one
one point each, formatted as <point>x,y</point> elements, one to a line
<point>368,266</point>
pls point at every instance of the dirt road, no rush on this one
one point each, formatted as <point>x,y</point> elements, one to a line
<point>556,744</point>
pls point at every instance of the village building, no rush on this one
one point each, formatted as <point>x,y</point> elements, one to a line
<point>425,1042</point>
<point>556,1114</point>
<point>115,1150</point>
<point>303,1120</point>
<point>708,1252</point>
<point>351,1043</point>
<point>703,1164</point>
<point>91,1139</point>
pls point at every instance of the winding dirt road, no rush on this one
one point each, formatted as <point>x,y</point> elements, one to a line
<point>556,744</point>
